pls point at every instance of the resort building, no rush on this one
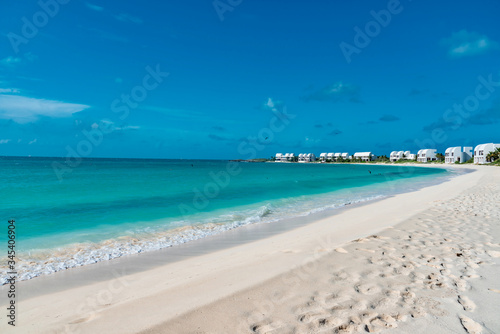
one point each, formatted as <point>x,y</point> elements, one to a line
<point>302,157</point>
<point>397,155</point>
<point>310,157</point>
<point>481,151</point>
<point>456,154</point>
<point>410,156</point>
<point>364,156</point>
<point>345,156</point>
<point>279,157</point>
<point>426,155</point>
<point>337,156</point>
<point>400,155</point>
<point>330,157</point>
<point>291,157</point>
<point>323,157</point>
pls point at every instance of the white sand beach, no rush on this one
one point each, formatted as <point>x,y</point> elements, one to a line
<point>420,262</point>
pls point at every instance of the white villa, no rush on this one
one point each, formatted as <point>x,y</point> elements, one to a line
<point>337,156</point>
<point>397,155</point>
<point>481,151</point>
<point>329,156</point>
<point>426,155</point>
<point>365,156</point>
<point>456,154</point>
<point>345,156</point>
<point>323,156</point>
<point>280,157</point>
<point>307,157</point>
<point>310,157</point>
<point>410,156</point>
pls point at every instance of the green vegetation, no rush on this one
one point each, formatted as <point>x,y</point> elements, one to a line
<point>493,156</point>
<point>382,158</point>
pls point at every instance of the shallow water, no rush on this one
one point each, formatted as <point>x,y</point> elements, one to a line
<point>107,208</point>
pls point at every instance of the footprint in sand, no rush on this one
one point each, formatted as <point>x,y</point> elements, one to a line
<point>381,322</point>
<point>331,321</point>
<point>470,325</point>
<point>418,312</point>
<point>466,303</point>
<point>311,316</point>
<point>461,284</point>
<point>266,327</point>
<point>367,289</point>
<point>359,305</point>
<point>408,297</point>
<point>346,328</point>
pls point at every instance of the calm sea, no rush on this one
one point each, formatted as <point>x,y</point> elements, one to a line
<point>107,208</point>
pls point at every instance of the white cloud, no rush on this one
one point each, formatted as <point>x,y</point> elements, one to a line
<point>4,141</point>
<point>33,141</point>
<point>22,109</point>
<point>111,125</point>
<point>464,43</point>
<point>272,105</point>
<point>10,61</point>
<point>336,92</point>
<point>9,90</point>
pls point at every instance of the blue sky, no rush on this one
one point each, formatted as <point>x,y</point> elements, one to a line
<point>217,79</point>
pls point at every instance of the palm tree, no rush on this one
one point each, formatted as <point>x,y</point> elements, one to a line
<point>493,155</point>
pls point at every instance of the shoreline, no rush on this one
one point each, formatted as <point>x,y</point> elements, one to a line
<point>197,275</point>
<point>435,272</point>
<point>60,259</point>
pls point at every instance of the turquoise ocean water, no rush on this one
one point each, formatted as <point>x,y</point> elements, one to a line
<point>107,208</point>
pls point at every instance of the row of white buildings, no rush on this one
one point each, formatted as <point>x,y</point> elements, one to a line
<point>323,157</point>
<point>402,155</point>
<point>333,156</point>
<point>452,155</point>
<point>459,154</point>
